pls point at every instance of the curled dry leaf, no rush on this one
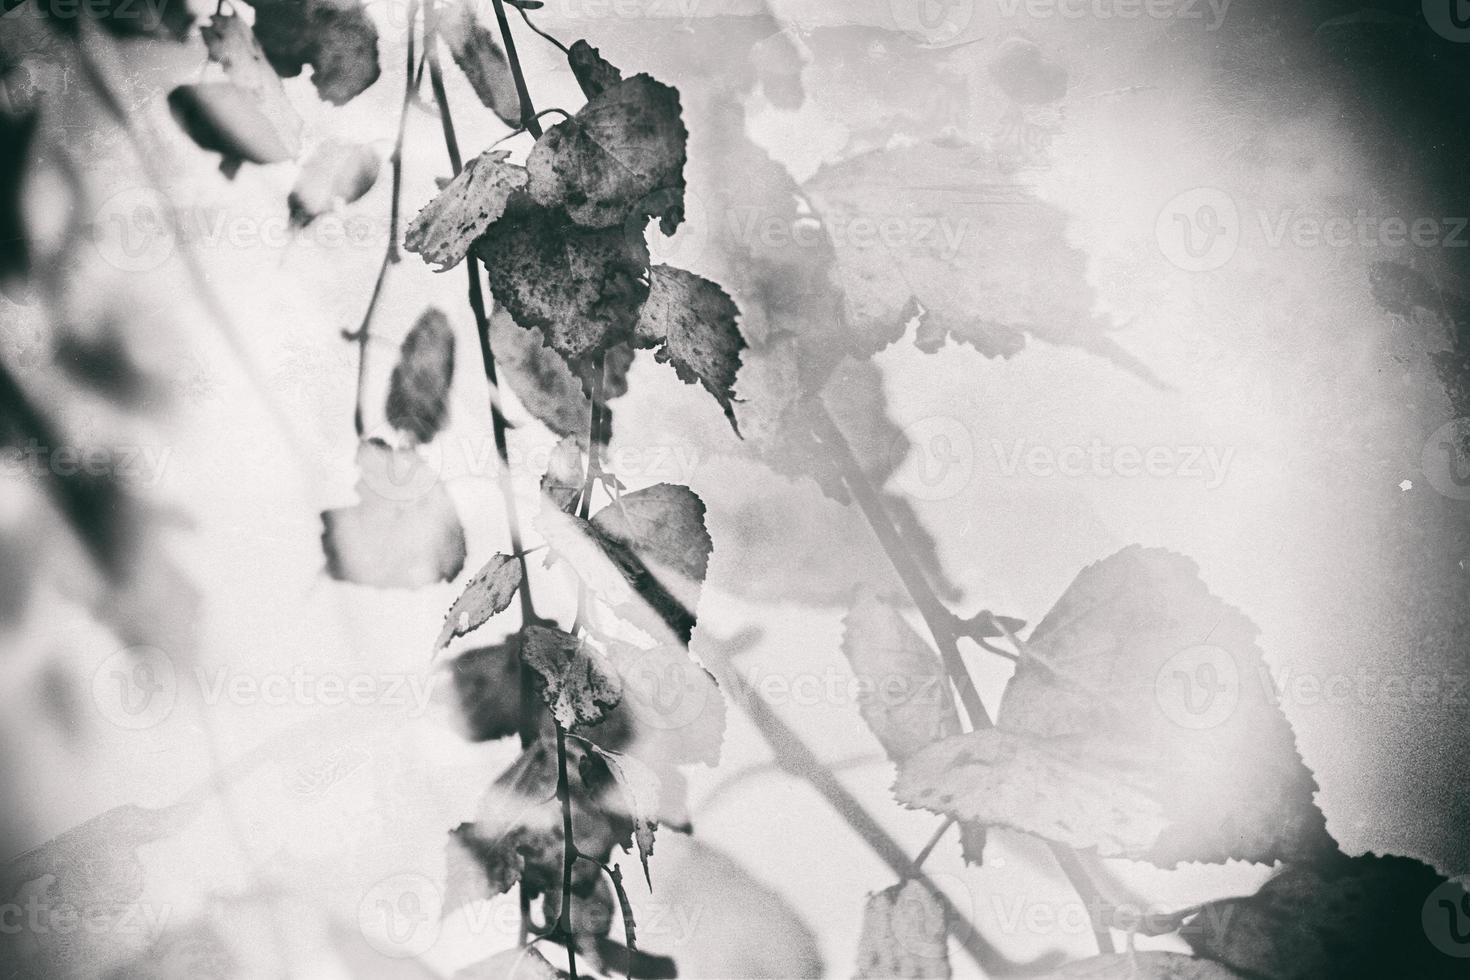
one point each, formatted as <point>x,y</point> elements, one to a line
<point>1349,919</point>
<point>691,322</point>
<point>233,47</point>
<point>641,792</point>
<point>336,37</point>
<point>620,158</point>
<point>1136,720</point>
<point>593,72</point>
<point>403,533</point>
<point>480,58</point>
<point>223,118</point>
<point>336,172</point>
<point>449,224</point>
<point>418,391</point>
<point>583,288</point>
<point>905,934</point>
<point>579,687</point>
<point>905,697</point>
<point>488,594</point>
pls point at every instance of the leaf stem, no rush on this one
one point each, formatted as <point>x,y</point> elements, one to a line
<point>940,622</point>
<point>928,848</point>
<point>568,851</point>
<point>528,111</point>
<point>390,255</point>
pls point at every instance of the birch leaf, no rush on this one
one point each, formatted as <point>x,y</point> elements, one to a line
<point>336,37</point>
<point>233,47</point>
<point>691,324</point>
<point>335,173</point>
<point>418,391</point>
<point>578,687</point>
<point>593,72</point>
<point>475,50</point>
<point>904,934</point>
<point>449,224</point>
<point>488,594</point>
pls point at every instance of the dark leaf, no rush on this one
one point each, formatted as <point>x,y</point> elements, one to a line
<point>225,119</point>
<point>620,158</point>
<point>449,224</point>
<point>1360,918</point>
<point>593,72</point>
<point>234,47</point>
<point>904,934</point>
<point>516,820</point>
<point>336,172</point>
<point>904,694</point>
<point>546,386</point>
<point>489,593</point>
<point>483,63</point>
<point>657,538</point>
<point>579,687</point>
<point>487,685</point>
<point>583,288</point>
<point>418,392</point>
<point>336,37</point>
<point>692,324</point>
<point>403,533</point>
<point>16,135</point>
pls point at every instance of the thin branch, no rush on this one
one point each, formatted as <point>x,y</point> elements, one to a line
<point>928,848</point>
<point>568,851</point>
<point>528,111</point>
<point>940,622</point>
<point>390,254</point>
<point>525,16</point>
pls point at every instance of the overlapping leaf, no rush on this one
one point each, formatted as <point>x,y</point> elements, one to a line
<point>223,118</point>
<point>620,158</point>
<point>691,322</point>
<point>641,792</point>
<point>546,385</point>
<point>336,37</point>
<point>475,50</point>
<point>449,224</point>
<point>233,47</point>
<point>582,287</point>
<point>657,538</point>
<point>593,72</point>
<point>578,685</point>
<point>1135,724</point>
<point>487,688</point>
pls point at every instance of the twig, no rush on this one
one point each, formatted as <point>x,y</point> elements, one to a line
<point>928,848</point>
<point>525,16</point>
<point>568,851</point>
<point>528,111</point>
<point>939,620</point>
<point>390,254</point>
